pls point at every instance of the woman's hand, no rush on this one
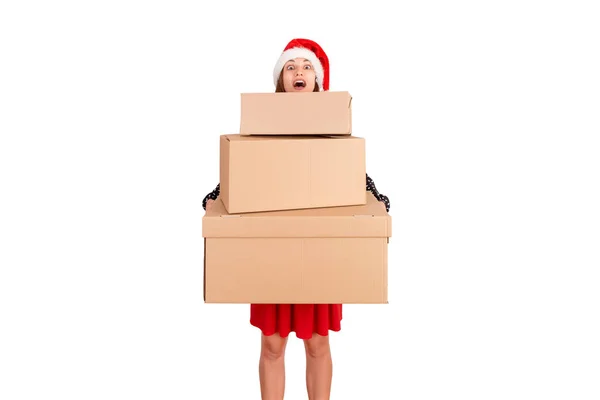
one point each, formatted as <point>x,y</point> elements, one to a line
<point>384,207</point>
<point>209,204</point>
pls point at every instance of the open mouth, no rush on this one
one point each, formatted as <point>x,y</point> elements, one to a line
<point>299,84</point>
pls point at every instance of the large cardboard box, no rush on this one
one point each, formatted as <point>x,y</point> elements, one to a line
<point>323,255</point>
<point>312,113</point>
<point>273,173</point>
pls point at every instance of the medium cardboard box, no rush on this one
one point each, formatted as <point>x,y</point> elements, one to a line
<point>323,255</point>
<point>273,173</point>
<point>313,113</point>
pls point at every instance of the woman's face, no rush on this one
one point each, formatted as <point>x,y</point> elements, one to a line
<point>299,76</point>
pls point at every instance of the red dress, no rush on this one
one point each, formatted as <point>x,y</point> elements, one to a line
<point>303,319</point>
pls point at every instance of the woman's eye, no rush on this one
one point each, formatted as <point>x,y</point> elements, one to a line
<point>290,67</point>
<point>307,67</point>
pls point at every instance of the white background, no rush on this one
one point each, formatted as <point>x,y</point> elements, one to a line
<point>110,117</point>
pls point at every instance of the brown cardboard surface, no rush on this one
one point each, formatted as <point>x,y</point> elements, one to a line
<point>314,113</point>
<point>321,255</point>
<point>272,173</point>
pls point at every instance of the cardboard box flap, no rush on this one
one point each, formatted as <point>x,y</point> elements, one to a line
<point>369,220</point>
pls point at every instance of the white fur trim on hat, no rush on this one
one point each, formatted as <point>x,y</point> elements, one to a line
<point>299,52</point>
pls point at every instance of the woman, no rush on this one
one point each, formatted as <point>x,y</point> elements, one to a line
<point>302,67</point>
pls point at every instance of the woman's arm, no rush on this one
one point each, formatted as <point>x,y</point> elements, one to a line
<point>381,197</point>
<point>212,195</point>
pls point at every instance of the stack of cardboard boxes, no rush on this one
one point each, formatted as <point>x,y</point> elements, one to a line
<point>294,222</point>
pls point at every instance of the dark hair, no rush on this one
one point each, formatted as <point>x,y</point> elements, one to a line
<point>280,88</point>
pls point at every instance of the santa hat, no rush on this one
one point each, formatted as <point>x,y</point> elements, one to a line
<point>310,50</point>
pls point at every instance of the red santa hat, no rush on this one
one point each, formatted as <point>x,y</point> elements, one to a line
<point>309,50</point>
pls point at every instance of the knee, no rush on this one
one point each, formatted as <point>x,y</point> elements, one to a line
<point>273,347</point>
<point>317,346</point>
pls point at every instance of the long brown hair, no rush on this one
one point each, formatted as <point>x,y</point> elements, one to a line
<point>280,88</point>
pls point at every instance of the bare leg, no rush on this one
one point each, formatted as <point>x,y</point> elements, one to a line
<point>271,367</point>
<point>319,367</point>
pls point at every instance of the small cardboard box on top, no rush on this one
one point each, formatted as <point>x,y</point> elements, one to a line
<point>275,173</point>
<point>321,255</point>
<point>311,113</point>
